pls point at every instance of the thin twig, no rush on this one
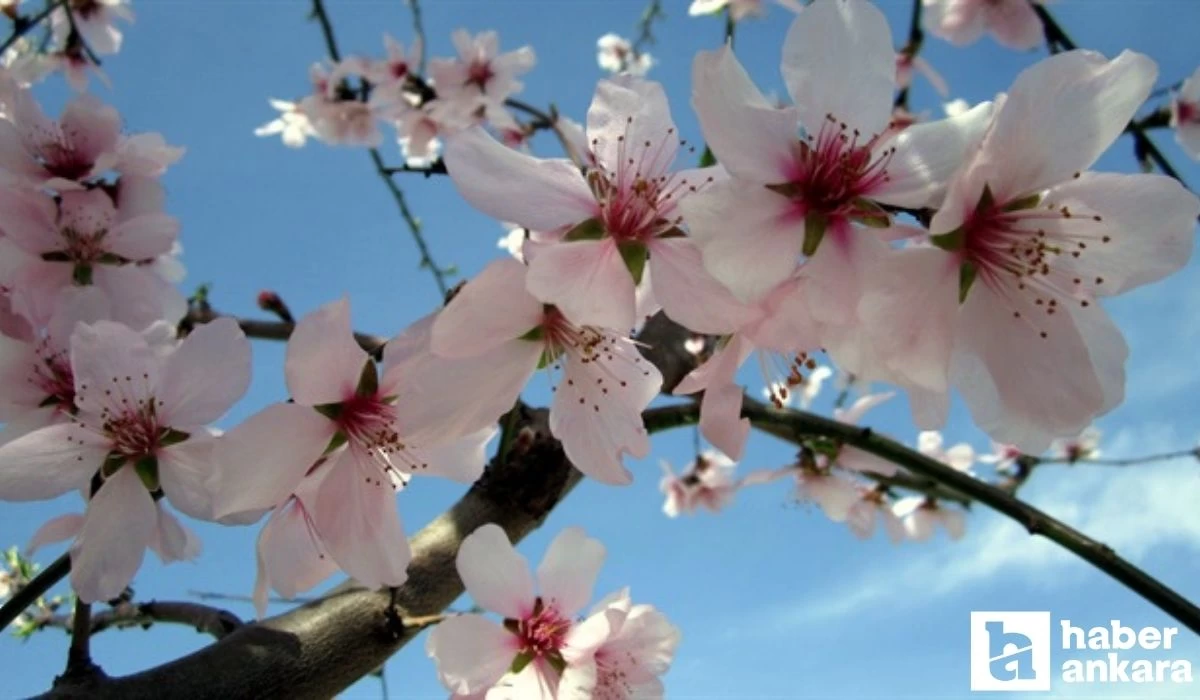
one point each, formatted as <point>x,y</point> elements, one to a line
<point>234,597</point>
<point>418,32</point>
<point>23,25</point>
<point>272,330</point>
<point>916,39</point>
<point>645,27</point>
<point>29,594</point>
<point>79,655</point>
<point>414,226</point>
<point>76,36</point>
<point>1125,462</point>
<point>437,167</point>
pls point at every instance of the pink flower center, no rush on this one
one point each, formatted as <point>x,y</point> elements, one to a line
<point>836,167</point>
<point>636,193</point>
<point>58,153</point>
<point>1187,112</point>
<point>54,377</point>
<point>543,632</point>
<point>479,74</point>
<point>369,423</point>
<point>398,69</point>
<point>83,247</point>
<point>589,346</point>
<point>1028,251</point>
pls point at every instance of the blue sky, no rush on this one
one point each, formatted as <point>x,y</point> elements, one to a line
<point>773,600</point>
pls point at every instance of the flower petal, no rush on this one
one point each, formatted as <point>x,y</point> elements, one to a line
<point>205,375</point>
<point>927,156</point>
<point>121,521</point>
<point>472,653</point>
<point>492,308</point>
<point>511,186</point>
<point>750,138</point>
<point>64,527</point>
<point>838,60</point>
<point>587,280</point>
<point>495,574</point>
<point>629,119</point>
<point>747,236</point>
<point>569,569</point>
<point>689,295</point>
<point>49,462</point>
<point>324,363</point>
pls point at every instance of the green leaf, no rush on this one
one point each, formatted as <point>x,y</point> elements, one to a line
<point>634,255</point>
<point>814,231</point>
<point>589,230</point>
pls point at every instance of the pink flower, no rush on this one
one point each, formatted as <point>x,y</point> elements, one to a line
<point>336,114</point>
<point>138,431</point>
<point>37,150</point>
<point>1012,23</point>
<point>344,430</point>
<point>788,196</point>
<point>638,646</point>
<point>292,558</point>
<point>616,54</point>
<point>1086,445</point>
<point>292,124</point>
<point>1004,304</point>
<point>39,385</point>
<point>1185,115</point>
<point>778,327</point>
<point>506,333</point>
<point>107,237</point>
<point>871,507</point>
<point>616,219</point>
<point>472,652</point>
<point>95,20</point>
<point>708,482</point>
<point>960,456</point>
<point>480,77</point>
<point>922,515</point>
<point>1003,456</point>
<point>391,74</point>
<point>833,492</point>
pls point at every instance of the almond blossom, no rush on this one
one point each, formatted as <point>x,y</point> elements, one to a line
<point>39,385</point>
<point>138,434</point>
<point>496,329</point>
<point>1012,23</point>
<point>821,195</point>
<point>107,237</point>
<point>1003,456</point>
<point>637,648</point>
<point>95,21</point>
<point>961,456</point>
<point>707,483</point>
<point>343,430</point>
<point>1004,303</point>
<point>616,220</point>
<point>541,651</point>
<point>391,75</point>
<point>37,150</point>
<point>1185,115</point>
<point>922,516</point>
<point>292,124</point>
<point>480,78</point>
<point>873,506</point>
<point>617,54</point>
<point>1084,446</point>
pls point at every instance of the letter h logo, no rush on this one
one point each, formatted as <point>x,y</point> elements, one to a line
<point>1010,651</point>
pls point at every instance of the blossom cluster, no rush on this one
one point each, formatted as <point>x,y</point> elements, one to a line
<point>355,95</point>
<point>79,32</point>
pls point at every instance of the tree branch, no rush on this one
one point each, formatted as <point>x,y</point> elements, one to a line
<point>205,619</point>
<point>24,25</point>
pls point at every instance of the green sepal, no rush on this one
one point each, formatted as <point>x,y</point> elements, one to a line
<point>147,471</point>
<point>520,662</point>
<point>329,410</point>
<point>987,200</point>
<point>557,662</point>
<point>707,159</point>
<point>967,273</point>
<point>788,189</point>
<point>172,437</point>
<point>82,275</point>
<point>589,230</point>
<point>368,380</point>
<point>534,335</point>
<point>113,462</point>
<point>1026,202</point>
<point>339,438</point>
<point>955,240</point>
<point>814,231</point>
<point>634,255</point>
<point>871,214</point>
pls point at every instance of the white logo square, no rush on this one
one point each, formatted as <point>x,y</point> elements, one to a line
<point>1010,650</point>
